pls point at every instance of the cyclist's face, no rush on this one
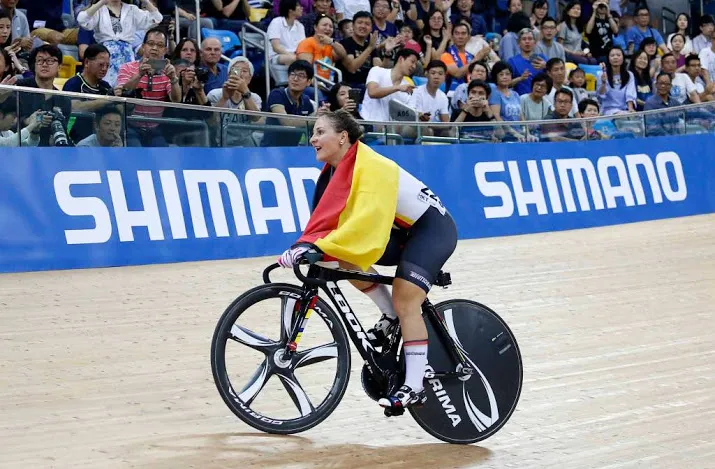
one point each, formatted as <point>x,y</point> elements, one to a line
<point>326,142</point>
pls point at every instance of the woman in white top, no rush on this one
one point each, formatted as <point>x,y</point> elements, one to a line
<point>114,24</point>
<point>682,24</point>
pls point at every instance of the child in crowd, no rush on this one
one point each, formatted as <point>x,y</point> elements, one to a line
<point>577,82</point>
<point>345,29</point>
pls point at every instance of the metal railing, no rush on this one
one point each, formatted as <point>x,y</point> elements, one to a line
<point>667,17</point>
<point>264,46</point>
<point>691,118</point>
<point>317,79</point>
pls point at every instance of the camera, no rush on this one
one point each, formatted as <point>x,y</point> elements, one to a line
<point>202,74</point>
<point>58,135</point>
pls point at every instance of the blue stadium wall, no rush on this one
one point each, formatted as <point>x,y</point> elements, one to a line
<point>78,208</point>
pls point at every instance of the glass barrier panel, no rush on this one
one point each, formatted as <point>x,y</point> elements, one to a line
<point>700,120</point>
<point>13,131</point>
<point>96,123</point>
<point>283,131</point>
<point>46,116</point>
<point>151,124</point>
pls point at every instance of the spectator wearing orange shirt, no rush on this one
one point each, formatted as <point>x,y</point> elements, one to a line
<point>457,59</point>
<point>321,46</point>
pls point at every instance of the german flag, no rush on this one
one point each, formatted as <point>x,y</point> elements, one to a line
<point>354,215</point>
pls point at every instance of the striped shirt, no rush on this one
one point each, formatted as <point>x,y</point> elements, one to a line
<point>160,91</point>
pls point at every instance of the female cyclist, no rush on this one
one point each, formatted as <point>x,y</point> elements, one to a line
<point>367,210</point>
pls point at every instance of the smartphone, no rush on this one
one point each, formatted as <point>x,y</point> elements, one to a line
<point>354,95</point>
<point>158,65</point>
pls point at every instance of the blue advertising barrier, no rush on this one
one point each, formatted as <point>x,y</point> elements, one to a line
<point>75,208</point>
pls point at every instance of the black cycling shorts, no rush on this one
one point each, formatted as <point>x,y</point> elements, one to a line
<point>420,251</point>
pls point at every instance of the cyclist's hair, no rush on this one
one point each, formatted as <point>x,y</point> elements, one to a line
<point>93,50</point>
<point>586,103</point>
<point>343,121</point>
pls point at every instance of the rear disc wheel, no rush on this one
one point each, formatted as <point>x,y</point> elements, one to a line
<point>472,408</point>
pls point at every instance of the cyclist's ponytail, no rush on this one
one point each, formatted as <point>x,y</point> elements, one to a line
<point>342,120</point>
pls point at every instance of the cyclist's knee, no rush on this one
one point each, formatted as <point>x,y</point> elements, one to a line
<point>407,298</point>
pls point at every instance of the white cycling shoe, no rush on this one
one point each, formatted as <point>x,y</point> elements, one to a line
<point>402,399</point>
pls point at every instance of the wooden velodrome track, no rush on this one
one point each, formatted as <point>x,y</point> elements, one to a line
<point>110,368</point>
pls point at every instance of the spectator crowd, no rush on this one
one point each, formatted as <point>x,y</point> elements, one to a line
<point>400,61</point>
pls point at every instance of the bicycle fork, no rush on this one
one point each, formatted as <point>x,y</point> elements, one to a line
<point>302,311</point>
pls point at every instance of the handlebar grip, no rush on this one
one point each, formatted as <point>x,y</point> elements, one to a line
<point>268,270</point>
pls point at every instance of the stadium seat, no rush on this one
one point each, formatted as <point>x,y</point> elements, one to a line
<point>68,68</point>
<point>59,83</point>
<point>592,74</point>
<point>230,43</point>
<point>256,15</point>
<point>72,51</point>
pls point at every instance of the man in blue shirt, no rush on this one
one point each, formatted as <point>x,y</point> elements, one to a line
<point>663,123</point>
<point>464,13</point>
<point>526,63</point>
<point>211,56</point>
<point>642,30</point>
<point>290,100</point>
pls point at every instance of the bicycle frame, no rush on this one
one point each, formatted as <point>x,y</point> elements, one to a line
<point>326,279</point>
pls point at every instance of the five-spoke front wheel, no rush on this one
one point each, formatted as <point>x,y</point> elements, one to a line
<point>265,388</point>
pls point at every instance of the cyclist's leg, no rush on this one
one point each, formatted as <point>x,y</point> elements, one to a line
<point>378,293</point>
<point>431,241</point>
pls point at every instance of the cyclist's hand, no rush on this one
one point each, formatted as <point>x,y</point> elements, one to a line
<point>291,256</point>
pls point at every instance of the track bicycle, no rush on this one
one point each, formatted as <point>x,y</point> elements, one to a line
<point>473,378</point>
